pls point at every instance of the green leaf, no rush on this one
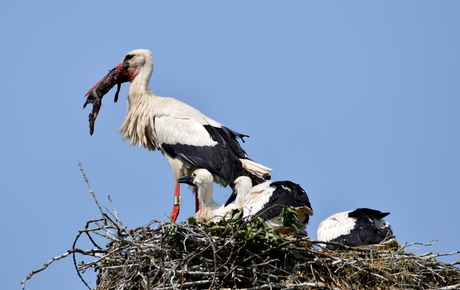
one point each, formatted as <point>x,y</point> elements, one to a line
<point>289,219</point>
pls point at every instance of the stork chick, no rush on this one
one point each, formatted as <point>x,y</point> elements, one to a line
<point>267,199</point>
<point>209,209</point>
<point>362,226</point>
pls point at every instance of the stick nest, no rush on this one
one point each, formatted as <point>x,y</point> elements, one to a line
<point>239,253</point>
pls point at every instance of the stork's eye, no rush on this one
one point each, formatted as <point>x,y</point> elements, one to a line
<point>129,56</point>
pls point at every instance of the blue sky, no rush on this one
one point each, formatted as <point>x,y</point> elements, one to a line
<point>356,101</point>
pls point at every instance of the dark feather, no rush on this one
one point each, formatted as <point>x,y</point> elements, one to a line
<point>226,137</point>
<point>365,231</point>
<point>367,212</point>
<point>286,193</point>
<point>223,159</point>
<point>215,159</point>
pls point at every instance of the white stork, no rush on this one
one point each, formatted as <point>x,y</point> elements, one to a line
<point>267,199</point>
<point>209,209</point>
<point>362,226</point>
<point>186,137</point>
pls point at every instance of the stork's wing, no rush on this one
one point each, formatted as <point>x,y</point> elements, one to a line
<point>366,232</point>
<point>195,141</point>
<point>286,193</point>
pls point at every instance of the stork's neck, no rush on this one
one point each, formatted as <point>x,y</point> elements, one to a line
<point>140,83</point>
<point>242,185</point>
<point>208,205</point>
<point>139,110</point>
<point>205,197</point>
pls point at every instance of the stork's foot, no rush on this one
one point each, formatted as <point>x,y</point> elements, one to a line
<point>174,213</point>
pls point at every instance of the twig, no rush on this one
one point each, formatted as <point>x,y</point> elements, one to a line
<point>44,267</point>
<point>92,252</point>
<point>117,218</point>
<point>90,189</point>
<point>456,286</point>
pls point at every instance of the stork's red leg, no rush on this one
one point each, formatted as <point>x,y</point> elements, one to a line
<point>197,203</point>
<point>177,201</point>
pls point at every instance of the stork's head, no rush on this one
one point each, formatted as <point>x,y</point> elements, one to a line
<point>133,63</point>
<point>136,65</point>
<point>136,62</point>
<point>202,179</point>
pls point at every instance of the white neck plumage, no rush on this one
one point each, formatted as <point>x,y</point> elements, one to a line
<point>138,122</point>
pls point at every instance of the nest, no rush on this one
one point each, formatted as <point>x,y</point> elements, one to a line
<point>243,253</point>
<point>240,253</point>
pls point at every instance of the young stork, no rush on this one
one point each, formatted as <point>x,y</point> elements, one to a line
<point>267,199</point>
<point>186,137</point>
<point>362,226</point>
<point>209,209</point>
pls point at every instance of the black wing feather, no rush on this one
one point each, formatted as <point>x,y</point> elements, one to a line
<point>213,158</point>
<point>223,159</point>
<point>227,137</point>
<point>286,193</point>
<point>365,232</point>
<point>367,212</point>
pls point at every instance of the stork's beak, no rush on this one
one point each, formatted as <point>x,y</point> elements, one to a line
<point>305,210</point>
<point>116,76</point>
<point>187,179</point>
